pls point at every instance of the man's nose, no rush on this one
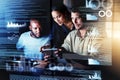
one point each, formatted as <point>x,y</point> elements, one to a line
<point>38,30</point>
<point>74,21</point>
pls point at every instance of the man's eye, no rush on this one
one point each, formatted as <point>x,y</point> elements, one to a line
<point>59,16</point>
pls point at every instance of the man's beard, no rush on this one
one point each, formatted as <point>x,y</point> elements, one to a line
<point>33,35</point>
<point>82,27</point>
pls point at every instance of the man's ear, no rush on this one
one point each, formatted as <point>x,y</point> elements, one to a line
<point>30,27</point>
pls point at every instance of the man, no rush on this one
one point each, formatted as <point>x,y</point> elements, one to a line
<point>84,40</point>
<point>31,42</point>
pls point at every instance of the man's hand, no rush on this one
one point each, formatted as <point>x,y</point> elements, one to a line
<point>51,53</point>
<point>42,49</point>
<point>58,53</point>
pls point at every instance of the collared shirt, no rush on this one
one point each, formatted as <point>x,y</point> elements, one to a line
<point>88,45</point>
<point>31,46</point>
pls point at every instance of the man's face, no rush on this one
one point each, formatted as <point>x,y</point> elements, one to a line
<point>58,17</point>
<point>35,27</point>
<point>76,19</point>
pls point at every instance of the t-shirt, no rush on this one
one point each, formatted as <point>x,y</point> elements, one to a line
<point>31,46</point>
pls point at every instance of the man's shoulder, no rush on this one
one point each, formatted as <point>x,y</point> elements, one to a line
<point>46,36</point>
<point>73,32</point>
<point>25,33</point>
<point>92,28</point>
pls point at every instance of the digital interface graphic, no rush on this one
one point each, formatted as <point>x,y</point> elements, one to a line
<point>15,19</point>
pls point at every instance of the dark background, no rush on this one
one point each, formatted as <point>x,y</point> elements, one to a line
<point>20,11</point>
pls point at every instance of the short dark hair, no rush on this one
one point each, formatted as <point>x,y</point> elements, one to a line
<point>35,21</point>
<point>76,10</point>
